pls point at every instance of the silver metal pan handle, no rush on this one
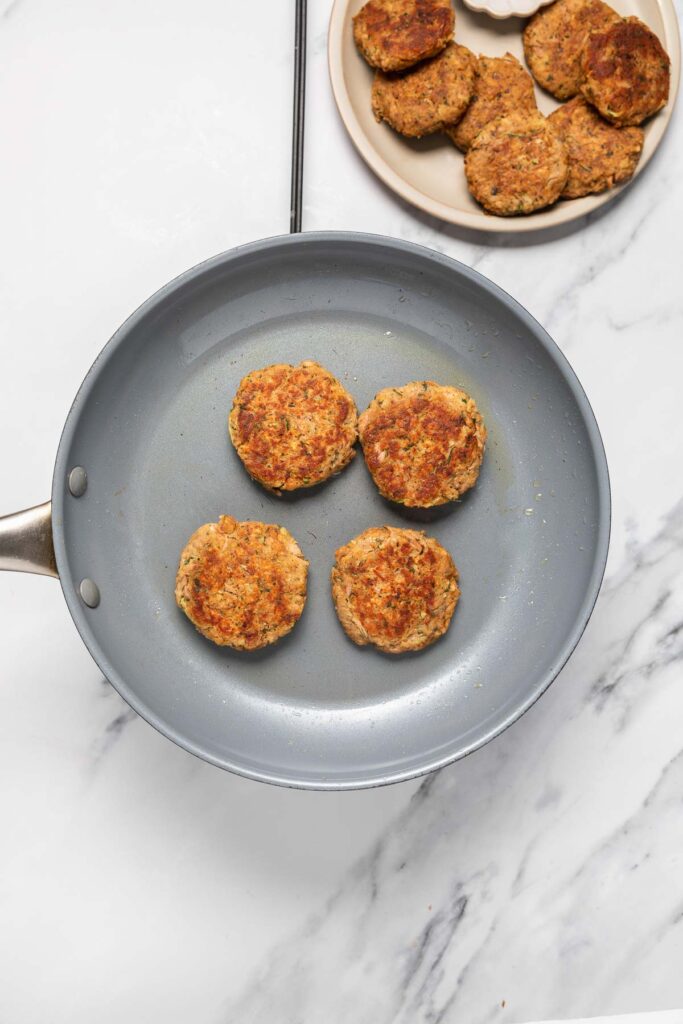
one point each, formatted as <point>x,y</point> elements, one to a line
<point>26,541</point>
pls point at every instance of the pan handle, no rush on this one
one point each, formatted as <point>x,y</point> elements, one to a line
<point>26,541</point>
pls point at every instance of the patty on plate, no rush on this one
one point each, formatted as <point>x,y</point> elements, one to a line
<point>394,588</point>
<point>242,584</point>
<point>394,34</point>
<point>423,443</point>
<point>428,97</point>
<point>293,426</point>
<point>517,164</point>
<point>626,72</point>
<point>501,86</point>
<point>600,154</point>
<point>553,39</point>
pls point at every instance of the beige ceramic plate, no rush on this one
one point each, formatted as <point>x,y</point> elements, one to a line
<point>429,172</point>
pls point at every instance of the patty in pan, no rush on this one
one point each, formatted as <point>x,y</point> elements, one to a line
<point>423,443</point>
<point>242,584</point>
<point>293,426</point>
<point>396,589</point>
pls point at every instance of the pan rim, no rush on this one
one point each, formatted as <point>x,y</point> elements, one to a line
<point>362,780</point>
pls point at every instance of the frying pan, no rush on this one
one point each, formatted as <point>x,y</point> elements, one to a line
<point>145,458</point>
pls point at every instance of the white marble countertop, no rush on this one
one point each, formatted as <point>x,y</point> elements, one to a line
<point>540,878</point>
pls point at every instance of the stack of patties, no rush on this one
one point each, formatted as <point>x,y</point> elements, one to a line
<point>612,70</point>
<point>614,74</point>
<point>423,79</point>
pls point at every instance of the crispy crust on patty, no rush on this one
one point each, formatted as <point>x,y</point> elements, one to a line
<point>395,34</point>
<point>600,154</point>
<point>396,589</point>
<point>501,86</point>
<point>553,39</point>
<point>517,164</point>
<point>426,98</point>
<point>423,443</point>
<point>293,426</point>
<point>626,72</point>
<point>243,585</point>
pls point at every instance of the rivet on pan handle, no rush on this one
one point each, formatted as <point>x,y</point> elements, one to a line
<point>26,541</point>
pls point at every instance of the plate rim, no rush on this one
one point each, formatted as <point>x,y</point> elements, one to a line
<point>552,217</point>
<point>80,614</point>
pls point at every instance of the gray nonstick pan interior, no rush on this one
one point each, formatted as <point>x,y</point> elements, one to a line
<point>150,427</point>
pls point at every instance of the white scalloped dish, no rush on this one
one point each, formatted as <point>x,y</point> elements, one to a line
<point>429,172</point>
<point>501,9</point>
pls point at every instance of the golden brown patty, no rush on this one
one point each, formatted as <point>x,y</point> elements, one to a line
<point>428,97</point>
<point>517,164</point>
<point>394,34</point>
<point>626,72</point>
<point>501,86</point>
<point>293,426</point>
<point>396,589</point>
<point>423,443</point>
<point>600,155</point>
<point>243,585</point>
<point>553,39</point>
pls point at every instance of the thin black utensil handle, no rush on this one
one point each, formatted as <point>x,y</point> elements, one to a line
<point>296,200</point>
